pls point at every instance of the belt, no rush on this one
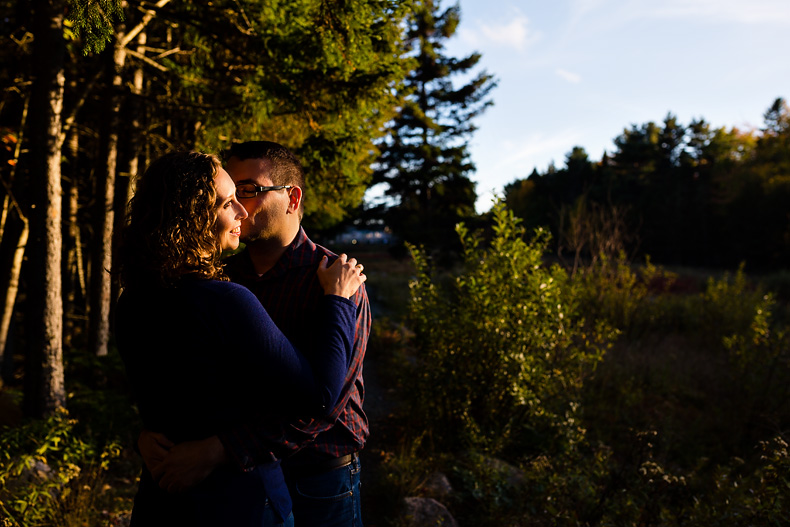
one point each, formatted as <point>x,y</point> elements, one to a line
<point>313,469</point>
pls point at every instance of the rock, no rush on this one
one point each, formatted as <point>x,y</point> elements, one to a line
<point>437,485</point>
<point>513,477</point>
<point>427,511</point>
<point>35,472</point>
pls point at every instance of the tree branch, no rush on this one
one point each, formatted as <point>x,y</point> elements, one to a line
<point>149,14</point>
<point>68,122</point>
<point>145,59</point>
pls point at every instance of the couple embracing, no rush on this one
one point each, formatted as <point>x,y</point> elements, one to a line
<point>247,372</point>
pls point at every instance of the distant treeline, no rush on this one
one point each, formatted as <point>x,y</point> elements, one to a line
<point>684,195</point>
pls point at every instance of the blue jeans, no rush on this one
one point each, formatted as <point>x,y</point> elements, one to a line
<point>272,519</point>
<point>329,499</point>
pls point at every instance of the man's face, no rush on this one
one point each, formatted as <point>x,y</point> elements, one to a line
<point>267,211</point>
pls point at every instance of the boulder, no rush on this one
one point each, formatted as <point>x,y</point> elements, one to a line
<point>437,485</point>
<point>427,511</point>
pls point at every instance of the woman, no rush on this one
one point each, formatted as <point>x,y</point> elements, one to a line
<point>201,353</point>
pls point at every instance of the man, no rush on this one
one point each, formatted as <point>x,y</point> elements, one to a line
<point>320,456</point>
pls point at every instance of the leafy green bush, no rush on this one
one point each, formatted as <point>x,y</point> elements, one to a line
<point>502,351</point>
<point>762,347</point>
<point>761,359</point>
<point>738,495</point>
<point>728,306</point>
<point>592,485</point>
<point>665,433</point>
<point>48,475</point>
<point>612,290</point>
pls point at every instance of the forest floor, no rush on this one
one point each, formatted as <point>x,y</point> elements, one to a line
<point>387,290</point>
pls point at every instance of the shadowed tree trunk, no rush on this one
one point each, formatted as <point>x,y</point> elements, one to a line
<point>101,283</point>
<point>134,115</point>
<point>12,285</point>
<point>101,287</point>
<point>10,296</point>
<point>74,290</point>
<point>44,390</point>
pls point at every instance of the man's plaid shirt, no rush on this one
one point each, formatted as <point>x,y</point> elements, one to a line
<point>290,292</point>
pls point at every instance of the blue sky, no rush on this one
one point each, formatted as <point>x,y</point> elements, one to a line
<point>578,72</point>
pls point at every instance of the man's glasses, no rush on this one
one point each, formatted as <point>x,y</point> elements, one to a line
<point>250,191</point>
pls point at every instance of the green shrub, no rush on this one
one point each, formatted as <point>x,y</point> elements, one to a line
<point>48,475</point>
<point>612,290</point>
<point>761,359</point>
<point>502,351</point>
<point>761,348</point>
<point>728,306</point>
<point>639,302</point>
<point>736,495</point>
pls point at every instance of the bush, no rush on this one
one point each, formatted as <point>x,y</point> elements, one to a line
<point>48,475</point>
<point>669,421</point>
<point>501,349</point>
<point>760,355</point>
<point>611,290</point>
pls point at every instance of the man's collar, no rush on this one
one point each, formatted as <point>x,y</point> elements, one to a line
<point>294,256</point>
<point>288,257</point>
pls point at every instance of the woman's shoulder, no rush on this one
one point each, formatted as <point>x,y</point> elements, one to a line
<point>221,291</point>
<point>218,287</point>
<point>228,301</point>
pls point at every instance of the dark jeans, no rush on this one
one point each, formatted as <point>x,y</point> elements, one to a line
<point>329,499</point>
<point>272,519</point>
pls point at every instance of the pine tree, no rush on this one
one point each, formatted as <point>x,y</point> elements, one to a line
<point>44,389</point>
<point>425,160</point>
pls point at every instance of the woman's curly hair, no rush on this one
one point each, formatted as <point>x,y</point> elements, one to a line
<point>170,230</point>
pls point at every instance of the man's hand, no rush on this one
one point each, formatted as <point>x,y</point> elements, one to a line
<point>153,447</point>
<point>187,464</point>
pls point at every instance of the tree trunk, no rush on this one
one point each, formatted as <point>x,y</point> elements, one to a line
<point>12,290</point>
<point>134,113</point>
<point>74,290</point>
<point>44,390</point>
<point>101,283</point>
<point>12,285</point>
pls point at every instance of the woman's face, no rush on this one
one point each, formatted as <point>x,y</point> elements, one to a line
<point>229,212</point>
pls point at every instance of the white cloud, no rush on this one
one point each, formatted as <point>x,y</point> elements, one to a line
<point>469,37</point>
<point>573,78</point>
<point>514,33</point>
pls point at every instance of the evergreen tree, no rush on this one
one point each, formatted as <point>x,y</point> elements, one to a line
<point>771,167</point>
<point>691,195</point>
<point>133,79</point>
<point>425,160</point>
<point>44,389</point>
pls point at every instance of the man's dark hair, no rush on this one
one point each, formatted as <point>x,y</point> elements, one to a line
<point>286,168</point>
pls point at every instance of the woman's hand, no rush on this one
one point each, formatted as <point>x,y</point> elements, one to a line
<point>342,278</point>
<point>153,448</point>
